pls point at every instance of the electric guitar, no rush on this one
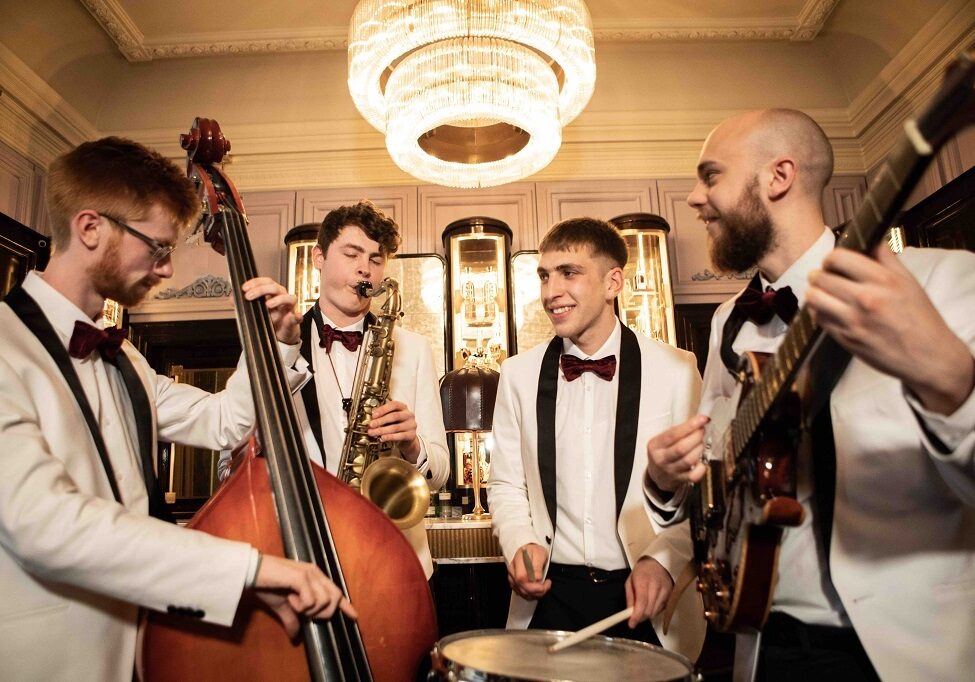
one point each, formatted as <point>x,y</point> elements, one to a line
<point>748,495</point>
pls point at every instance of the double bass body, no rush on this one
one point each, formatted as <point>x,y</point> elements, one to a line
<point>384,579</point>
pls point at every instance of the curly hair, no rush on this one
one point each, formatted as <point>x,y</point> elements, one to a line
<point>119,177</point>
<point>376,224</point>
<point>600,236</point>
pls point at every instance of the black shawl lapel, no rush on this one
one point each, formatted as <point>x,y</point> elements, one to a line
<point>143,426</point>
<point>629,369</point>
<point>309,394</point>
<point>33,318</point>
<point>548,382</point>
<point>731,328</point>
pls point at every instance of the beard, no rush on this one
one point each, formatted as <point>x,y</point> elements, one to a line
<point>107,279</point>
<point>745,235</point>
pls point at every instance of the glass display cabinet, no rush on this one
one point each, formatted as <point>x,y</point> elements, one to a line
<point>531,324</point>
<point>646,303</point>
<point>303,278</point>
<point>477,250</point>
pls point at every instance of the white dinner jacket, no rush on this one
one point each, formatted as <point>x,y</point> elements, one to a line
<point>73,562</point>
<point>670,387</point>
<point>413,381</point>
<point>902,550</point>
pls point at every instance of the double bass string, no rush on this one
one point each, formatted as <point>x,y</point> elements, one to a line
<point>304,540</point>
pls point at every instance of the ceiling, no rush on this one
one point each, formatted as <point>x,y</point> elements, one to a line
<point>273,73</point>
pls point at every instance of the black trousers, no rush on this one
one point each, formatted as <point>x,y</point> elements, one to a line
<point>792,651</point>
<point>580,596</point>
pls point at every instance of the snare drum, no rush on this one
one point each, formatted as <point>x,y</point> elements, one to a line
<point>522,656</point>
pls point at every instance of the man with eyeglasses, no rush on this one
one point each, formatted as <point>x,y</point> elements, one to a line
<point>159,250</point>
<point>80,410</point>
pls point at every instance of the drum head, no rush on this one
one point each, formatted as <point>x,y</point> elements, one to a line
<point>523,655</point>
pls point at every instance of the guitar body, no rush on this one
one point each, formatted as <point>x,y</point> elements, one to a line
<point>739,510</point>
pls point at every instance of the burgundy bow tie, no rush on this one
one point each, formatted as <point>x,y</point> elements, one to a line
<point>760,306</point>
<point>87,338</point>
<point>351,340</point>
<point>573,367</point>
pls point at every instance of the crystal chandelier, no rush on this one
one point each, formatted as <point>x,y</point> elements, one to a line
<point>471,93</point>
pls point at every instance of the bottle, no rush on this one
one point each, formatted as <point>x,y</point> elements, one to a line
<point>445,508</point>
<point>432,508</point>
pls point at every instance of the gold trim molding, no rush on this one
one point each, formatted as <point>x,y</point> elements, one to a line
<point>134,46</point>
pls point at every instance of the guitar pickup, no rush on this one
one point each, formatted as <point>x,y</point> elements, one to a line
<point>712,494</point>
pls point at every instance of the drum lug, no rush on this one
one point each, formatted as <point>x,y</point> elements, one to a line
<point>438,672</point>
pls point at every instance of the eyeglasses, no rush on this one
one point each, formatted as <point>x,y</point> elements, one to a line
<point>159,250</point>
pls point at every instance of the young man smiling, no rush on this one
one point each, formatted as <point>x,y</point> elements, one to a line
<point>570,424</point>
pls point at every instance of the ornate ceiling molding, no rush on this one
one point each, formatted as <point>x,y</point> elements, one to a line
<point>137,48</point>
<point>804,27</point>
<point>910,79</point>
<point>34,119</point>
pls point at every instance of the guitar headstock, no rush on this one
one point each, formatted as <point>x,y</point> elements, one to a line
<point>953,107</point>
<point>205,148</point>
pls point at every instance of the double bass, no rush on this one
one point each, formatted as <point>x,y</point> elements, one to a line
<point>284,505</point>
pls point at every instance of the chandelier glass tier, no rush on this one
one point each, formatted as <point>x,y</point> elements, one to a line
<point>471,93</point>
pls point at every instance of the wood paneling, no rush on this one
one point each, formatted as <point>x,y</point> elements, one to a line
<point>399,203</point>
<point>513,204</point>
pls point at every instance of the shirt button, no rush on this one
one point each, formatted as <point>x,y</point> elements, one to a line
<point>588,475</point>
<point>588,521</point>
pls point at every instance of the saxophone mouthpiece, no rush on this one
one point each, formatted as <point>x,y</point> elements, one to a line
<point>363,288</point>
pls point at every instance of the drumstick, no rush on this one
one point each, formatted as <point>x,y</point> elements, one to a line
<point>594,629</point>
<point>529,568</point>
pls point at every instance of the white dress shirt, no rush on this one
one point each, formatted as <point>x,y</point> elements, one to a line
<point>585,424</point>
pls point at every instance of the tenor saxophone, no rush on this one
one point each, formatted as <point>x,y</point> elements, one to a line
<point>368,464</point>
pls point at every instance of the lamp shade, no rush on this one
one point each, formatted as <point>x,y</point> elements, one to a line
<point>467,397</point>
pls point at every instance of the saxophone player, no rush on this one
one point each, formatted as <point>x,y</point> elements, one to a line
<point>353,245</point>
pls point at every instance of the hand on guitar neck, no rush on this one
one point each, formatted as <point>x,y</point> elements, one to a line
<point>675,456</point>
<point>877,310</point>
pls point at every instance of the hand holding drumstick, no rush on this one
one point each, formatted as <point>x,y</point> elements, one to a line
<point>524,574</point>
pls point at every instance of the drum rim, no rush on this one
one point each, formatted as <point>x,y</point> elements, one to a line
<point>469,634</point>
